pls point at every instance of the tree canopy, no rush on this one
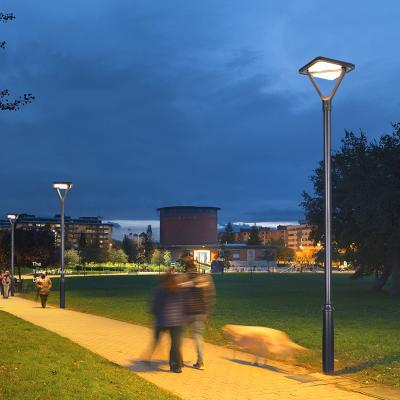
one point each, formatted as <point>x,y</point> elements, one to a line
<point>167,257</point>
<point>36,245</point>
<point>72,258</point>
<point>6,103</point>
<point>156,257</point>
<point>129,248</point>
<point>254,238</point>
<point>366,205</point>
<point>228,235</point>
<point>284,254</point>
<point>118,256</point>
<point>148,243</point>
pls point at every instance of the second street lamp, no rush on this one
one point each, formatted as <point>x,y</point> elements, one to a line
<point>13,219</point>
<point>333,70</point>
<point>62,189</point>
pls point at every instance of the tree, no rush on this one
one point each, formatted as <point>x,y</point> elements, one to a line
<point>5,102</point>
<point>96,253</point>
<point>118,257</point>
<point>116,244</point>
<point>284,254</point>
<point>148,243</point>
<point>166,256</point>
<point>128,246</point>
<point>366,214</point>
<point>254,238</point>
<point>228,236</point>
<point>306,255</point>
<point>91,251</point>
<point>156,257</point>
<point>71,258</point>
<point>82,248</point>
<point>149,233</point>
<point>30,245</point>
<point>142,256</point>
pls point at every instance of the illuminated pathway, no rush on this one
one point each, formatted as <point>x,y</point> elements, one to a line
<point>226,377</point>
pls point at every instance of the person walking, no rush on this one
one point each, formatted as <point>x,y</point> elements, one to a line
<point>168,309</point>
<point>6,282</point>
<point>199,303</point>
<point>43,284</point>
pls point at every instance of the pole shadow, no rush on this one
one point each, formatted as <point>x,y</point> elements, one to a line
<point>362,365</point>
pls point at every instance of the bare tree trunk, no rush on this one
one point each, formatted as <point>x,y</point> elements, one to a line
<point>381,279</point>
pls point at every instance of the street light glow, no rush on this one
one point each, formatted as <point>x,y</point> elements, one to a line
<point>62,185</point>
<point>12,217</point>
<point>325,70</point>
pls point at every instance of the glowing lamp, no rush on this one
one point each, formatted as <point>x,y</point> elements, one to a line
<point>62,185</point>
<point>326,68</point>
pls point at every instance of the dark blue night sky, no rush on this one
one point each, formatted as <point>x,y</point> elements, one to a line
<point>145,104</point>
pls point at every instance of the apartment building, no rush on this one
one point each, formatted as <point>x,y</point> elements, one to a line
<point>299,237</point>
<point>265,234</point>
<point>296,237</point>
<point>93,229</point>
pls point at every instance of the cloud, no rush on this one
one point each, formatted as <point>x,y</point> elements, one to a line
<point>157,103</point>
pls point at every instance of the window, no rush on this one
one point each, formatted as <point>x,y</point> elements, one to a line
<point>236,255</point>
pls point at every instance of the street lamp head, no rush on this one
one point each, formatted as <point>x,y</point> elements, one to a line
<point>62,185</point>
<point>327,69</point>
<point>12,217</point>
<point>62,189</point>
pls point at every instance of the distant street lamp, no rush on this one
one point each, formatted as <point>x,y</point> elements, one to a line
<point>333,70</point>
<point>13,219</point>
<point>62,189</point>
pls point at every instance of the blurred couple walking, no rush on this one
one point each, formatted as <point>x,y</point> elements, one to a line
<point>179,300</point>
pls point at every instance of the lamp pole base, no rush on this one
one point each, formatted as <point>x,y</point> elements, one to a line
<point>62,292</point>
<point>328,362</point>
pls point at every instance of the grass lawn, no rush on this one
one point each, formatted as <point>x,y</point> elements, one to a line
<point>38,364</point>
<point>367,324</point>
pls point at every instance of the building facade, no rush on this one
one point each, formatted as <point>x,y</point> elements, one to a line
<point>188,225</point>
<point>294,237</point>
<point>299,237</point>
<point>194,230</point>
<point>241,256</point>
<point>189,229</point>
<point>266,235</point>
<point>93,229</point>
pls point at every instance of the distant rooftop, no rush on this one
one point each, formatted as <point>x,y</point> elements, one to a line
<point>187,208</point>
<point>29,218</point>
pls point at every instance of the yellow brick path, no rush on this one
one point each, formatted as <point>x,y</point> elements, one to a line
<point>227,376</point>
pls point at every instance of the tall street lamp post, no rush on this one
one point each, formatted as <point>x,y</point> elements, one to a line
<point>62,189</point>
<point>13,219</point>
<point>333,70</point>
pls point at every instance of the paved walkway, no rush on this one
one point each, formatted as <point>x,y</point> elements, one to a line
<point>227,376</point>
